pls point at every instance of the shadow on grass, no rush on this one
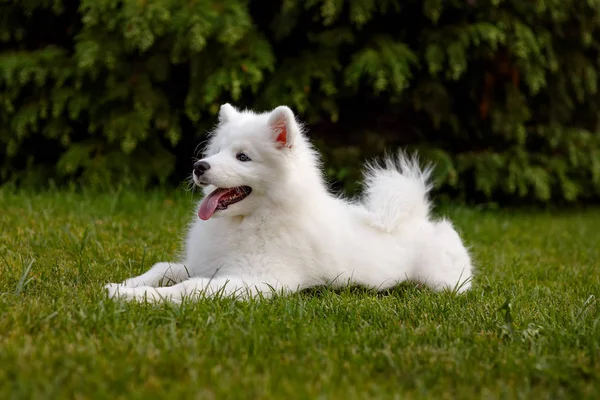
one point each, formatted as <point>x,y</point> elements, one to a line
<point>399,290</point>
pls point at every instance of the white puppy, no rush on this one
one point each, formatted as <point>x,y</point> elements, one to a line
<point>268,223</point>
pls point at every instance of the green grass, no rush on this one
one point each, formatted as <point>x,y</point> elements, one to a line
<point>61,337</point>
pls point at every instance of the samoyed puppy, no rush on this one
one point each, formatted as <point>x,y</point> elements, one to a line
<point>268,224</point>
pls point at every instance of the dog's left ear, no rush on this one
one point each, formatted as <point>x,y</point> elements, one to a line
<point>226,113</point>
<point>283,126</point>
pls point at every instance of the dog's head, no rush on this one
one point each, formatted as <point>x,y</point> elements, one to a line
<point>247,158</point>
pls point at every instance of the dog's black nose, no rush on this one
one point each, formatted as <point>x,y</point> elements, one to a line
<point>200,167</point>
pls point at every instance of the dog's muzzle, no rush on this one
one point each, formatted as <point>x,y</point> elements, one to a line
<point>200,167</point>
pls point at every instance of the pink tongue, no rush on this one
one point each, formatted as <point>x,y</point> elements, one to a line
<point>210,204</point>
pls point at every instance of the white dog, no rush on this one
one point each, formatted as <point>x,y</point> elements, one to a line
<point>268,223</point>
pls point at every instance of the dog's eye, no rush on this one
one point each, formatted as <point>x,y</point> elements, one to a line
<point>242,157</point>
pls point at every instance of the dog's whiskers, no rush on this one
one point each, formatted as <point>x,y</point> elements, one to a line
<point>190,185</point>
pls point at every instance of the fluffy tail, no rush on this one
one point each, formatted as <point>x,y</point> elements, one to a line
<point>396,190</point>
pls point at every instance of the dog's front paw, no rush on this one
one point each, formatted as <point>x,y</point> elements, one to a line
<point>113,290</point>
<point>142,293</point>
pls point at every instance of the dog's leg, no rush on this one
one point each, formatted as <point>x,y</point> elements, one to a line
<point>201,287</point>
<point>163,273</point>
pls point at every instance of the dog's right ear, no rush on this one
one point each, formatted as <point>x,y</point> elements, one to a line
<point>283,126</point>
<point>226,113</point>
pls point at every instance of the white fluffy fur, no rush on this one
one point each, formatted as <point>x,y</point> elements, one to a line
<point>290,233</point>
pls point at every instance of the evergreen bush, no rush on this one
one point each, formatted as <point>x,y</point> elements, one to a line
<point>501,94</point>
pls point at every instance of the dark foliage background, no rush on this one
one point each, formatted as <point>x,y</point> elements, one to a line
<point>502,95</point>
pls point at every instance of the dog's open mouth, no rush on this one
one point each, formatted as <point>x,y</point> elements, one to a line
<point>220,199</point>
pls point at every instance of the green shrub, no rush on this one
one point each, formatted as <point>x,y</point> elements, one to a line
<point>502,95</point>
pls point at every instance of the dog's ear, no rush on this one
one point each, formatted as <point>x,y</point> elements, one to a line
<point>283,126</point>
<point>226,113</point>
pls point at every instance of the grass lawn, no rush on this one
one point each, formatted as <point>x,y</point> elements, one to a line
<point>61,337</point>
